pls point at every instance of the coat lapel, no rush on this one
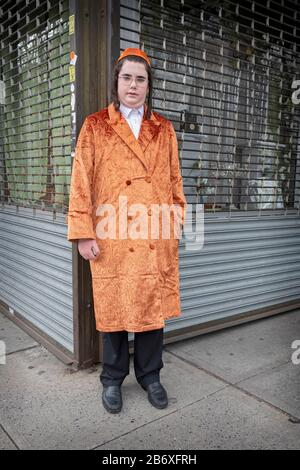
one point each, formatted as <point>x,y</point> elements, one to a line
<point>149,129</point>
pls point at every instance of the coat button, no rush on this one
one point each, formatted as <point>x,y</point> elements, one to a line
<point>130,217</point>
<point>128,182</point>
<point>152,246</point>
<point>149,212</point>
<point>131,249</point>
<point>148,179</point>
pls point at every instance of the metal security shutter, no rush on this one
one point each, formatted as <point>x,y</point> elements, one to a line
<point>246,264</point>
<point>224,74</point>
<point>35,167</point>
<point>36,271</point>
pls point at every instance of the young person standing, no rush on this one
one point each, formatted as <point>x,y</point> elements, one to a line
<point>125,166</point>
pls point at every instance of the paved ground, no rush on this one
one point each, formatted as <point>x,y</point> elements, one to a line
<point>233,389</point>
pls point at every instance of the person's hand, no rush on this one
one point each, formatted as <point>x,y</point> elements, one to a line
<point>88,248</point>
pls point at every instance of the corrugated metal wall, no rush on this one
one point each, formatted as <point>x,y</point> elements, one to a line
<point>247,263</point>
<point>223,74</point>
<point>36,271</point>
<point>35,165</point>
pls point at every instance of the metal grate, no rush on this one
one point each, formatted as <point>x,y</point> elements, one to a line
<point>35,126</point>
<point>224,74</point>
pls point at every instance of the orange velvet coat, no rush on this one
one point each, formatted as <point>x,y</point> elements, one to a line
<point>135,281</point>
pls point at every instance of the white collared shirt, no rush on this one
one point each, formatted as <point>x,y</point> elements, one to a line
<point>134,117</point>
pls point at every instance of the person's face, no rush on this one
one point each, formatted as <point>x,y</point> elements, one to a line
<point>133,84</point>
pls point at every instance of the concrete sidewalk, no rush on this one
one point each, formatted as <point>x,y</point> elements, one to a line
<point>233,389</point>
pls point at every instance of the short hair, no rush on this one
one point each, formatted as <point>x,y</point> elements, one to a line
<point>116,71</point>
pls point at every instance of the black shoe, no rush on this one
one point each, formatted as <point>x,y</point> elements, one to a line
<point>157,395</point>
<point>112,398</point>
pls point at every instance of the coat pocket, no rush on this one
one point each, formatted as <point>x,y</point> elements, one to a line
<point>106,294</point>
<point>127,302</point>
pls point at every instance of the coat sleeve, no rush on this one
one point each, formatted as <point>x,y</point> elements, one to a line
<point>176,178</point>
<point>79,217</point>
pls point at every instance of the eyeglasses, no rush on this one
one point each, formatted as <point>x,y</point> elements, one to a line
<point>127,80</point>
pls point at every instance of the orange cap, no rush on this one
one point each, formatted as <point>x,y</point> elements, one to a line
<point>134,51</point>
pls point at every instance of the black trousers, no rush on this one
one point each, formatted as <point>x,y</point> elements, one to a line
<point>148,347</point>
